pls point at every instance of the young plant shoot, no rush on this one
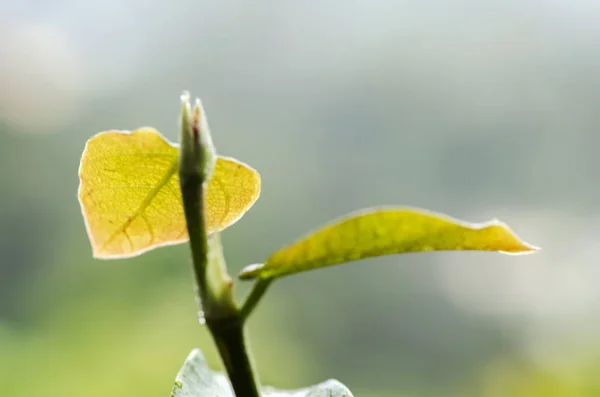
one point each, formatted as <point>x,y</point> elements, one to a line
<point>138,191</point>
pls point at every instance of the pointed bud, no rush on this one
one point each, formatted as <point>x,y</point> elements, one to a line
<point>197,154</point>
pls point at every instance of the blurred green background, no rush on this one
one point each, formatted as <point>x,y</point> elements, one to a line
<point>479,109</point>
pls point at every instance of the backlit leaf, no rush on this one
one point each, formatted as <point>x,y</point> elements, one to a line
<point>386,231</point>
<point>196,379</point>
<point>130,197</point>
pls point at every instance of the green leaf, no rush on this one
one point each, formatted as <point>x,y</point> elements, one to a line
<point>196,379</point>
<point>130,198</point>
<point>386,231</point>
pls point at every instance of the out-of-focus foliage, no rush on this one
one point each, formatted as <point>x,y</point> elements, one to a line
<point>476,109</point>
<point>196,379</point>
<point>385,231</point>
<point>80,345</point>
<point>574,377</point>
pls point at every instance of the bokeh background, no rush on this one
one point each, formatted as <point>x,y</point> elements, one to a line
<point>479,109</point>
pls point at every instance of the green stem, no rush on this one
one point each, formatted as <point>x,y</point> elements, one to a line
<point>257,292</point>
<point>222,316</point>
<point>225,325</point>
<point>229,338</point>
<point>192,195</point>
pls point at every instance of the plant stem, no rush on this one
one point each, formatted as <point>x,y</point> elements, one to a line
<point>258,290</point>
<point>222,316</point>
<point>193,202</point>
<point>229,338</point>
<point>225,326</point>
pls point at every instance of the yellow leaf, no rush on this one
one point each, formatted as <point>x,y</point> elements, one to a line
<point>386,231</point>
<point>130,197</point>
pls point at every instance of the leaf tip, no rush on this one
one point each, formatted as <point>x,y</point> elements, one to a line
<point>509,242</point>
<point>523,249</point>
<point>251,271</point>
